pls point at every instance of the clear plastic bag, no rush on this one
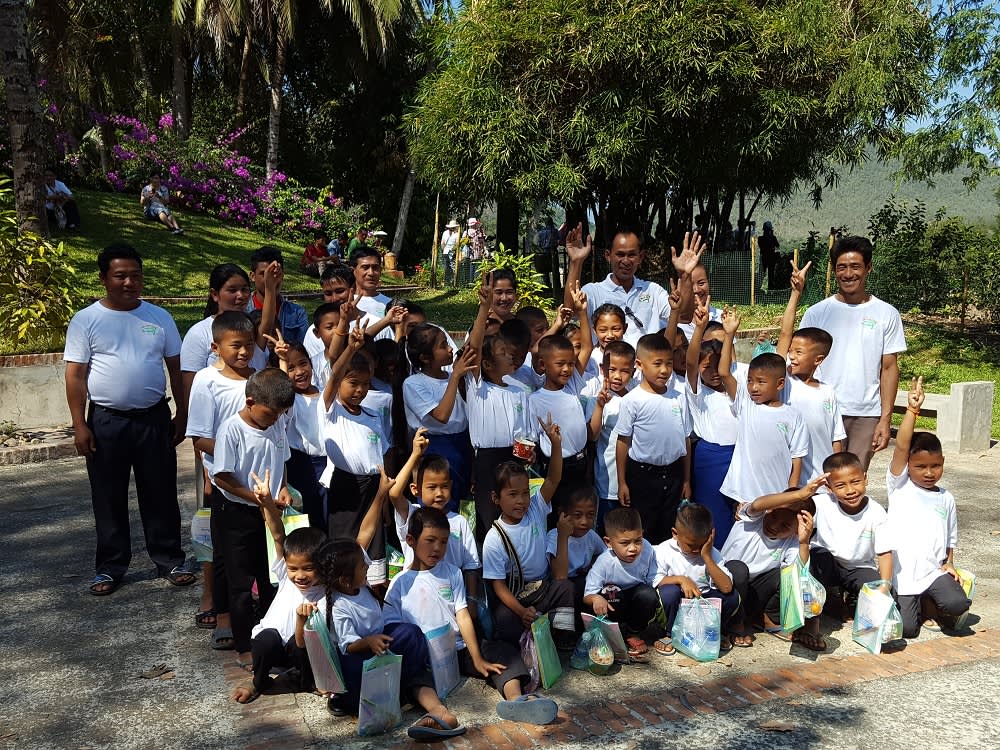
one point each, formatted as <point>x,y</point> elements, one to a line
<point>323,656</point>
<point>802,596</point>
<point>593,653</point>
<point>378,709</point>
<point>697,628</point>
<point>876,618</point>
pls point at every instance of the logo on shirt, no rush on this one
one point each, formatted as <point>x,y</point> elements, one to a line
<point>776,555</point>
<point>676,410</point>
<point>870,323</point>
<point>373,438</point>
<point>867,533</point>
<point>645,297</point>
<point>150,330</point>
<point>534,531</point>
<point>782,428</point>
<point>941,510</point>
<point>446,593</point>
<point>827,405</point>
<point>455,535</point>
<point>518,408</point>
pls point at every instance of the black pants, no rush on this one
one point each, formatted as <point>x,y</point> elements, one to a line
<point>760,594</point>
<point>634,608</point>
<point>483,466</point>
<point>269,652</point>
<point>497,652</point>
<point>409,642</point>
<point>832,574</point>
<point>72,215</point>
<point>655,492</point>
<point>244,552</point>
<point>143,444</point>
<point>220,582</point>
<point>946,594</point>
<point>557,602</point>
<point>303,476</point>
<point>349,498</point>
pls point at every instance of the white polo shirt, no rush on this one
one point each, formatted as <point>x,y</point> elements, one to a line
<point>646,300</point>
<point>658,423</point>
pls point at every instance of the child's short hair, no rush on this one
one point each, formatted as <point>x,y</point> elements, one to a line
<point>569,329</point>
<point>361,361</point>
<point>842,460</point>
<point>272,388</point>
<point>695,518</point>
<point>343,273</point>
<point>504,474</point>
<point>327,308</point>
<point>711,348</point>
<point>434,463</point>
<point>622,519</point>
<point>300,349</point>
<point>769,362</point>
<point>618,349</point>
<point>116,251</point>
<point>501,274</point>
<point>266,254</point>
<point>817,337</point>
<point>550,344</point>
<point>516,333</point>
<point>426,518</point>
<point>652,342</point>
<point>925,441</point>
<point>410,306</point>
<point>713,325</point>
<point>532,314</point>
<point>582,494</point>
<point>231,321</point>
<point>852,245</point>
<point>305,541</point>
<point>608,308</point>
<point>386,352</point>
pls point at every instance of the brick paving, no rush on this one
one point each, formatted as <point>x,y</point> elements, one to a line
<point>277,723</point>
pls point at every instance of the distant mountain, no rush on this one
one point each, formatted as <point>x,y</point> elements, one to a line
<point>863,191</point>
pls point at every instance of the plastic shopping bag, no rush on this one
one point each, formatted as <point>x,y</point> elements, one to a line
<point>697,628</point>
<point>291,519</point>
<point>323,656</point>
<point>201,535</point>
<point>444,659</point>
<point>593,653</point>
<point>379,710</point>
<point>467,509</point>
<point>876,618</point>
<point>549,665</point>
<point>394,561</point>
<point>968,581</point>
<point>530,659</point>
<point>802,596</point>
<point>612,633</point>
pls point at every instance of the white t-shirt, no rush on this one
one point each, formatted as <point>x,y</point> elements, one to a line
<point>714,314</point>
<point>356,617</point>
<point>673,562</point>
<point>374,309</point>
<point>427,599</point>
<point>125,351</point>
<point>922,526</point>
<point>853,540</point>
<point>58,187</point>
<point>461,551</point>
<point>421,395</point>
<point>305,425</point>
<point>609,570</point>
<point>497,414</point>
<point>769,438</point>
<point>605,462</point>
<point>281,614</point>
<point>861,335</point>
<point>646,300</point>
<point>583,550</point>
<point>354,443</point>
<point>449,239</point>
<point>748,542</point>
<point>196,349</point>
<point>821,417</point>
<point>658,423</point>
<point>241,450</point>
<point>528,538</point>
<point>526,376</point>
<point>316,350</point>
<point>712,411</point>
<point>569,410</point>
<point>214,399</point>
<point>380,402</point>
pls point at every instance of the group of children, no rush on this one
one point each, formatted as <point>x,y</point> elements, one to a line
<point>667,471</point>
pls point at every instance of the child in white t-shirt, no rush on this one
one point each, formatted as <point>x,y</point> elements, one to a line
<point>923,524</point>
<point>573,545</point>
<point>431,593</point>
<point>515,567</point>
<point>851,546</point>
<point>691,567</point>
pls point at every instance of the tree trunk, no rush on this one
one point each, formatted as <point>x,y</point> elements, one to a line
<point>182,111</point>
<point>140,58</point>
<point>241,92</point>
<point>25,118</point>
<point>274,115</point>
<point>404,212</point>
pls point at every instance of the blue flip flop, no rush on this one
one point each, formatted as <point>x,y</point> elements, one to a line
<point>432,734</point>
<point>528,709</point>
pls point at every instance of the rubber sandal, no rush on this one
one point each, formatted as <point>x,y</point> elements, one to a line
<point>664,647</point>
<point>725,644</point>
<point>734,636</point>
<point>528,709</point>
<point>780,634</point>
<point>206,619</point>
<point>809,641</point>
<point>423,733</point>
<point>246,666</point>
<point>222,639</point>
<point>181,577</point>
<point>637,647</point>
<point>100,580</point>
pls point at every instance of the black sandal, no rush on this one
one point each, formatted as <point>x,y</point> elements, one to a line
<point>102,580</point>
<point>181,577</point>
<point>206,619</point>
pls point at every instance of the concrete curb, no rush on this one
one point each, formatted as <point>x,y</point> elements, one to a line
<point>33,454</point>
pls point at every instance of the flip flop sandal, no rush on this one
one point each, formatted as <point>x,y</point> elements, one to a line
<point>664,647</point>
<point>100,581</point>
<point>181,577</point>
<point>206,619</point>
<point>246,666</point>
<point>780,634</point>
<point>222,639</point>
<point>423,733</point>
<point>931,625</point>
<point>725,644</point>
<point>736,644</point>
<point>810,641</point>
<point>528,709</point>
<point>637,647</point>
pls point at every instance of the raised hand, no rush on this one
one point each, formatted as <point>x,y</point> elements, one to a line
<point>262,487</point>
<point>798,279</point>
<point>915,397</point>
<point>564,526</point>
<point>730,320</point>
<point>690,255</point>
<point>805,526</point>
<point>466,361</point>
<point>674,300</point>
<point>420,441</point>
<point>565,315</point>
<point>273,276</point>
<point>579,298</point>
<point>551,430</point>
<point>357,338</point>
<point>812,487</point>
<point>578,248</point>
<point>486,290</point>
<point>349,308</point>
<point>278,343</point>
<point>605,394</point>
<point>396,314</point>
<point>385,482</point>
<point>706,548</point>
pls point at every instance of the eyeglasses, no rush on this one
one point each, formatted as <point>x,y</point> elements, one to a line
<point>635,318</point>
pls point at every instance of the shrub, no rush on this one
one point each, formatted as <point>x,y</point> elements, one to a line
<point>530,289</point>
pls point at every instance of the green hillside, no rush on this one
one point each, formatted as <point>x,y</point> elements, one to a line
<point>863,191</point>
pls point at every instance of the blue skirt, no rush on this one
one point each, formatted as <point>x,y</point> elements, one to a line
<point>708,469</point>
<point>458,450</point>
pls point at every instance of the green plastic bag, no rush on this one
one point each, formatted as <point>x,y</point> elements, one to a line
<point>379,709</point>
<point>968,582</point>
<point>802,596</point>
<point>291,519</point>
<point>394,561</point>
<point>549,665</point>
<point>876,618</point>
<point>323,656</point>
<point>467,509</point>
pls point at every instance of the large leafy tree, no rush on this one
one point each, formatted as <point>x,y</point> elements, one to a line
<point>653,111</point>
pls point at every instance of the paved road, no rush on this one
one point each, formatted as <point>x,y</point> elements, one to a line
<point>70,659</point>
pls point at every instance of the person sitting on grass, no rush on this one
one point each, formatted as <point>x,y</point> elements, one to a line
<point>154,199</point>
